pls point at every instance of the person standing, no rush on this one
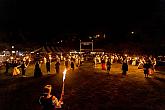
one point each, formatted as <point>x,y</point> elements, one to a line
<point>124,68</point>
<point>66,63</point>
<point>103,64</point>
<point>7,66</point>
<point>48,66</point>
<point>57,67</point>
<point>15,69</point>
<point>108,65</point>
<point>37,70</point>
<point>72,65</point>
<point>23,68</point>
<point>95,61</point>
<point>146,67</point>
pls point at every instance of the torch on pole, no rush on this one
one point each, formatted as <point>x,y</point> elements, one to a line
<point>63,85</point>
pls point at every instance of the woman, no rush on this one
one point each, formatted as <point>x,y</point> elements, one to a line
<point>37,70</point>
<point>103,64</point>
<point>16,71</point>
<point>48,101</point>
<point>57,67</point>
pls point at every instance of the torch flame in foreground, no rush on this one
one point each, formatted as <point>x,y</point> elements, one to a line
<point>64,74</point>
<point>62,94</point>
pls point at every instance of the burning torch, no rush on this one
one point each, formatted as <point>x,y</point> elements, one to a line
<point>62,93</point>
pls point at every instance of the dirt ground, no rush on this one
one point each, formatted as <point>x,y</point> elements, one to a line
<point>88,88</point>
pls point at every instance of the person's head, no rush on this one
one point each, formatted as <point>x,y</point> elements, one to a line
<point>47,90</point>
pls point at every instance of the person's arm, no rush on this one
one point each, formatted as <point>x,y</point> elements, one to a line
<point>40,100</point>
<point>56,101</point>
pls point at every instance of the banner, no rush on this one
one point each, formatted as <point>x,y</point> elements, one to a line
<point>86,43</point>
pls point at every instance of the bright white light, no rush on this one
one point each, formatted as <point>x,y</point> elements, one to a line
<point>12,47</point>
<point>90,37</point>
<point>132,32</point>
<point>64,74</point>
<point>20,54</point>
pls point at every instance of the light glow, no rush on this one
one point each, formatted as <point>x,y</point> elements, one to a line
<point>64,74</point>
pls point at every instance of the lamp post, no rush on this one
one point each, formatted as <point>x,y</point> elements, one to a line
<point>92,45</point>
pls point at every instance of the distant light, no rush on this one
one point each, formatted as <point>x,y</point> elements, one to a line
<point>104,36</point>
<point>97,35</point>
<point>32,52</point>
<point>20,54</point>
<point>90,37</point>
<point>132,32</point>
<point>12,47</point>
<point>61,40</point>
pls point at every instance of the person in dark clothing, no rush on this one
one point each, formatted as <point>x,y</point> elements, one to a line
<point>146,67</point>
<point>103,64</point>
<point>15,64</point>
<point>57,67</point>
<point>7,67</point>
<point>37,70</point>
<point>66,63</point>
<point>48,101</point>
<point>23,68</point>
<point>72,65</point>
<point>48,66</point>
<point>108,65</point>
<point>124,68</point>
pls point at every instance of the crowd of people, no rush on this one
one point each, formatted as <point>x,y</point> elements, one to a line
<point>19,67</point>
<point>49,101</point>
<point>146,63</point>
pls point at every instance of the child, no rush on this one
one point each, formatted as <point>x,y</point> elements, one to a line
<point>48,101</point>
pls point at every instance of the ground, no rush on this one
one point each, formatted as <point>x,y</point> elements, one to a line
<point>87,88</point>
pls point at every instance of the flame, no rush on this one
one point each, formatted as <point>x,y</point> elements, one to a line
<point>64,74</point>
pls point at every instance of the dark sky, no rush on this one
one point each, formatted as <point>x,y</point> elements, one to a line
<point>55,17</point>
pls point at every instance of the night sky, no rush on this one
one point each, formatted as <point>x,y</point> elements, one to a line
<point>50,19</point>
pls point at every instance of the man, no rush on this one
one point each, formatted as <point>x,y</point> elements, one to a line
<point>124,67</point>
<point>48,66</point>
<point>7,67</point>
<point>23,68</point>
<point>57,67</point>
